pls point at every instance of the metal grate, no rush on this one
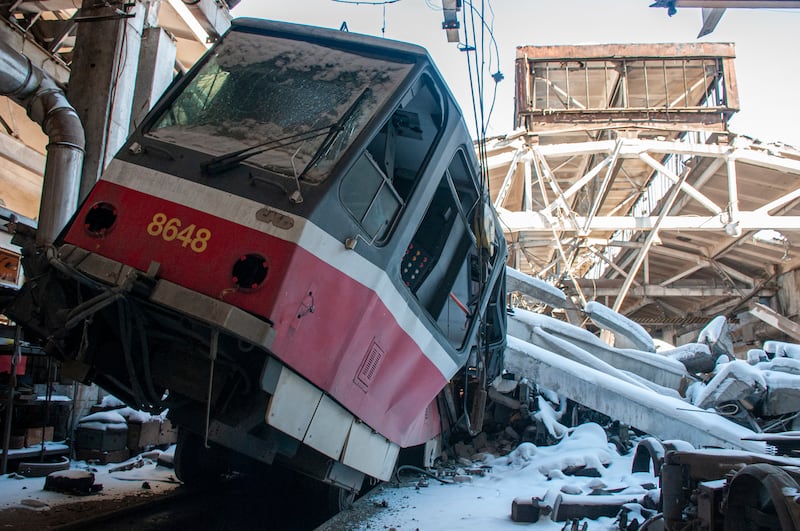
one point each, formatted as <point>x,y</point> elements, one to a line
<point>369,366</point>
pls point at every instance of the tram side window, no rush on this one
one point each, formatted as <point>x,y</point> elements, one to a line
<point>370,197</point>
<point>383,177</point>
<point>441,262</point>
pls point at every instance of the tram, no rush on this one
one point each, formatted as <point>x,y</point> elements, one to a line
<point>293,253</point>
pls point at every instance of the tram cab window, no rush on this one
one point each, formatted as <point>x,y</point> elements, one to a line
<point>441,263</point>
<point>383,177</point>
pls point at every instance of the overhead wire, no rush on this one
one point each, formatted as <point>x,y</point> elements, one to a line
<point>476,33</point>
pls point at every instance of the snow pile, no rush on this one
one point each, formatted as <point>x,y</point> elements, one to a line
<point>103,420</point>
<point>585,447</point>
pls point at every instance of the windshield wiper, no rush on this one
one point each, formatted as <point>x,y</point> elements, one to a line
<point>227,161</point>
<point>230,160</point>
<point>336,128</point>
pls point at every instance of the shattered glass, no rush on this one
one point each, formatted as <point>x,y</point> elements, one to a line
<point>256,88</point>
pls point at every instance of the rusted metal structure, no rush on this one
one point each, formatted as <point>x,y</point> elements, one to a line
<point>623,184</point>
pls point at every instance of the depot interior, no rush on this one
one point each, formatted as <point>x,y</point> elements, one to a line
<point>583,183</point>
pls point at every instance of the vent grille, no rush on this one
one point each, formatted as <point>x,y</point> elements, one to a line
<point>369,366</point>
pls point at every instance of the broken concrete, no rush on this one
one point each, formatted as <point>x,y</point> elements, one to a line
<point>655,368</point>
<point>658,415</point>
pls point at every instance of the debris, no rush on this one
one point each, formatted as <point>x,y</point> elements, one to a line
<point>735,380</point>
<point>696,357</point>
<point>72,482</point>
<point>139,463</point>
<point>717,336</point>
<point>571,506</point>
<point>525,510</point>
<point>624,329</point>
<point>535,288</point>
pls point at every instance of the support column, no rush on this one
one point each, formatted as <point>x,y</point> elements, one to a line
<point>156,70</point>
<point>102,83</point>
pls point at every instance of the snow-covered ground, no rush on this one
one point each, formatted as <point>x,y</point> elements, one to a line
<point>484,503</point>
<point>19,492</point>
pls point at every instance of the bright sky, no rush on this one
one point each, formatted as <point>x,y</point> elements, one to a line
<point>767,41</point>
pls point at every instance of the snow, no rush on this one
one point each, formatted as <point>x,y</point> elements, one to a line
<point>788,365</point>
<point>111,402</point>
<point>529,471</point>
<point>782,349</point>
<point>713,330</point>
<point>103,417</point>
<point>104,420</point>
<point>662,416</point>
<point>728,373</point>
<point>717,335</point>
<point>608,319</point>
<point>15,489</point>
<point>533,287</point>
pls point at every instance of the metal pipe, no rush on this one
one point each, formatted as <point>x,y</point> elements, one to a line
<point>47,105</point>
<point>12,384</point>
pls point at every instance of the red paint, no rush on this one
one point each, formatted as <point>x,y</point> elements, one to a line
<point>327,345</point>
<point>5,365</point>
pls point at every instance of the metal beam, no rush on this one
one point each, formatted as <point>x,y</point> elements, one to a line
<point>40,57</point>
<point>508,180</point>
<point>651,237</point>
<point>658,291</point>
<point>538,222</point>
<point>690,190</point>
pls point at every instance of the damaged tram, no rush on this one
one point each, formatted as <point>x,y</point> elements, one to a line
<point>293,253</point>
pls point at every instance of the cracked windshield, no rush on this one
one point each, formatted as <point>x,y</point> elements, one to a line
<point>292,103</point>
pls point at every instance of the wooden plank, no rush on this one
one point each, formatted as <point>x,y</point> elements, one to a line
<point>776,320</point>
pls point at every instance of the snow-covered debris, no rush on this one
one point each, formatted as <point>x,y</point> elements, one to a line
<point>756,355</point>
<point>535,288</point>
<point>787,365</point>
<point>623,328</point>
<point>736,380</point>
<point>780,349</point>
<point>111,402</point>
<point>553,343</point>
<point>526,473</point>
<point>783,394</point>
<point>717,336</point>
<point>585,447</point>
<point>662,416</point>
<point>104,420</point>
<point>696,357</point>
<point>655,368</point>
